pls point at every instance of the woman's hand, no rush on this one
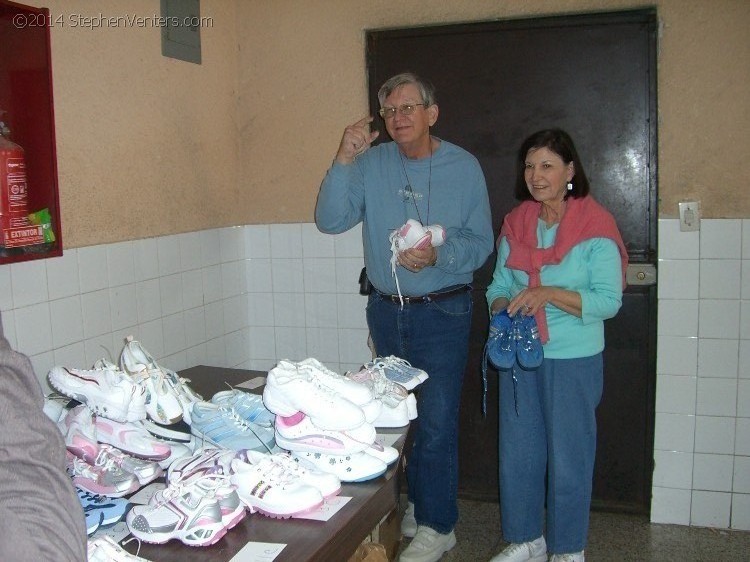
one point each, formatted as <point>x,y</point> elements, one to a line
<point>532,299</point>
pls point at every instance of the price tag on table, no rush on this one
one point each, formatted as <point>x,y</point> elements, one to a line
<point>258,552</point>
<point>329,508</point>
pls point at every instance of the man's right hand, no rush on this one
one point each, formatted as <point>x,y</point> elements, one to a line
<point>357,138</point>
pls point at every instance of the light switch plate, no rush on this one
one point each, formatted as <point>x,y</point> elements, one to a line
<point>690,215</point>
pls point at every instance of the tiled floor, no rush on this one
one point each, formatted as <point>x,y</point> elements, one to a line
<point>612,537</point>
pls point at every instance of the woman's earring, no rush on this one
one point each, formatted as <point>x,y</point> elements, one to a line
<point>570,186</point>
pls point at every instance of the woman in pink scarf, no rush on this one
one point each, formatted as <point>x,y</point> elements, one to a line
<point>562,260</point>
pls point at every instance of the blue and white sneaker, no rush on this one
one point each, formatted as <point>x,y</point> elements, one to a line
<point>101,509</point>
<point>93,520</point>
<point>224,427</point>
<point>399,370</point>
<point>248,406</point>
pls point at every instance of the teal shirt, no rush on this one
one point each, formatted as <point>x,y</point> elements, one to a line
<point>592,268</point>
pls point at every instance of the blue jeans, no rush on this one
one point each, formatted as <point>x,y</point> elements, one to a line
<point>548,440</point>
<point>434,337</point>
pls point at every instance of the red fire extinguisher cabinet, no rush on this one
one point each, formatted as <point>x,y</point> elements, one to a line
<point>26,97</point>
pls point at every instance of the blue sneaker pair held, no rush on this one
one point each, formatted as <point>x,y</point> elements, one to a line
<point>514,339</point>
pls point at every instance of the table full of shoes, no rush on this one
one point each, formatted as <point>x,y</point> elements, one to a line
<point>225,456</point>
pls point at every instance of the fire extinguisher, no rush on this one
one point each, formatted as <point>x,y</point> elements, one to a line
<point>13,186</point>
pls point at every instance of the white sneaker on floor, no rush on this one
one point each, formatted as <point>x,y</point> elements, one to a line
<point>533,551</point>
<point>568,557</point>
<point>408,523</point>
<point>428,546</point>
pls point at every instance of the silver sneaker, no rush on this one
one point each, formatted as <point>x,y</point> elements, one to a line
<point>428,546</point>
<point>533,551</point>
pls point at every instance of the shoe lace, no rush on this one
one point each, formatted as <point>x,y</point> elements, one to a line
<point>396,241</point>
<point>397,363</point>
<point>106,461</point>
<point>109,452</point>
<point>241,424</point>
<point>81,468</point>
<point>180,384</point>
<point>137,550</point>
<point>516,548</point>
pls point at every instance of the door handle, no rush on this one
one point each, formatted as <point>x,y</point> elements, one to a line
<point>641,274</point>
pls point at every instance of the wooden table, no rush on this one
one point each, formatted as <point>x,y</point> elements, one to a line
<point>330,541</point>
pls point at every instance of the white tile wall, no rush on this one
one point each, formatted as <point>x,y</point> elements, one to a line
<point>251,295</point>
<point>702,432</point>
<point>236,297</point>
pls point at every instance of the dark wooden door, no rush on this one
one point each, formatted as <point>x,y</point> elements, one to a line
<point>594,76</point>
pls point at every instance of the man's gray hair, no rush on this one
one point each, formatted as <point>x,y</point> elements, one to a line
<point>426,90</point>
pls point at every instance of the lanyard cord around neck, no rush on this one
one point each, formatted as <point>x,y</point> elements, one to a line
<point>411,191</point>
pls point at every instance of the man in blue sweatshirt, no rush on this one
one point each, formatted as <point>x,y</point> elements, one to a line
<point>420,308</point>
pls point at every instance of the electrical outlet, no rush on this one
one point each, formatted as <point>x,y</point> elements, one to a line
<point>690,215</point>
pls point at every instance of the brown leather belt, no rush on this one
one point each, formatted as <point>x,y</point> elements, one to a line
<point>429,297</point>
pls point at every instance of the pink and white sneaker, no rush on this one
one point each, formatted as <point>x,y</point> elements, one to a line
<point>145,471</point>
<point>327,484</point>
<point>79,431</point>
<point>299,433</point>
<point>131,439</point>
<point>267,487</point>
<point>100,477</point>
<point>413,235</point>
<point>212,478</point>
<point>189,512</point>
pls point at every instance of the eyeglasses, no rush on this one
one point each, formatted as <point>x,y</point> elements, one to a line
<point>404,109</point>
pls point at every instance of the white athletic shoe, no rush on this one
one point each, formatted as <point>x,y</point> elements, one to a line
<point>267,487</point>
<point>532,551</point>
<point>290,389</point>
<point>428,546</point>
<point>107,392</point>
<point>357,467</point>
<point>298,433</point>
<point>162,403</point>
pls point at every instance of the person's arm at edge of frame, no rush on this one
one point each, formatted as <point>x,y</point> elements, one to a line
<point>42,516</point>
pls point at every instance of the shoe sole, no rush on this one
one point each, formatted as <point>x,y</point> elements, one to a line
<point>164,432</point>
<point>253,506</point>
<point>317,444</point>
